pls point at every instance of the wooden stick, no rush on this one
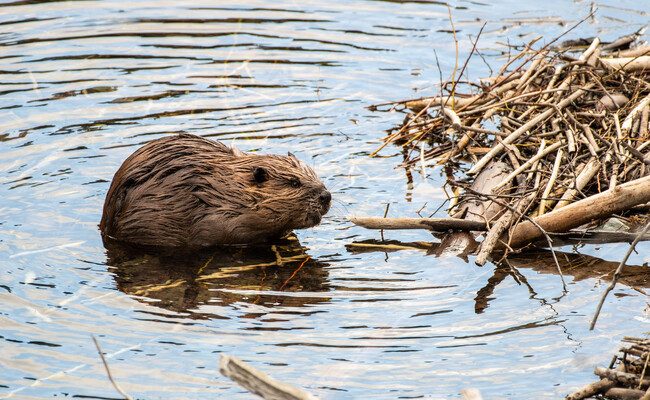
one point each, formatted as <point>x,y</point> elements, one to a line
<point>452,116</point>
<point>256,381</point>
<point>643,129</point>
<point>627,122</point>
<point>433,224</point>
<point>598,206</point>
<point>628,63</point>
<point>591,390</point>
<point>590,50</point>
<point>617,274</point>
<point>108,371</point>
<point>589,236</point>
<point>438,101</point>
<point>639,51</point>
<point>543,153</point>
<point>551,182</point>
<point>525,127</point>
<point>624,394</point>
<point>503,223</point>
<point>621,377</point>
<point>584,177</point>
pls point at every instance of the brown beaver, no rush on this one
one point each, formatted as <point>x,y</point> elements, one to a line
<point>187,191</point>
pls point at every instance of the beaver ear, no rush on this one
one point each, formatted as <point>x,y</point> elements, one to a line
<point>290,154</point>
<point>260,175</point>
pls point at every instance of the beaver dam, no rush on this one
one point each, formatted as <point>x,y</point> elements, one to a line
<point>554,149</point>
<point>554,144</point>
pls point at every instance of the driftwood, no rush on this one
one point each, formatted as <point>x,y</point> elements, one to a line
<point>576,214</point>
<point>628,63</point>
<point>569,129</point>
<point>595,207</point>
<point>591,390</point>
<point>628,380</point>
<point>432,224</point>
<point>258,382</point>
<point>623,378</point>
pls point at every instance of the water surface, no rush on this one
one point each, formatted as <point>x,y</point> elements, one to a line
<point>84,83</point>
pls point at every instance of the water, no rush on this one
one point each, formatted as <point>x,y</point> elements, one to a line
<point>84,83</point>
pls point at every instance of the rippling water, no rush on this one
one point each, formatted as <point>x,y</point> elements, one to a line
<point>84,83</point>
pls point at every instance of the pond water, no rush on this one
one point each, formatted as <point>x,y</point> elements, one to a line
<point>84,83</point>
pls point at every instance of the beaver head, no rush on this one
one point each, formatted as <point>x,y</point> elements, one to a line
<point>189,191</point>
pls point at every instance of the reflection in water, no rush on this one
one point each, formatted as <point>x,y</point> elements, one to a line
<point>578,266</point>
<point>581,267</point>
<point>282,274</point>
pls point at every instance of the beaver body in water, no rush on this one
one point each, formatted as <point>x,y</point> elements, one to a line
<point>188,191</point>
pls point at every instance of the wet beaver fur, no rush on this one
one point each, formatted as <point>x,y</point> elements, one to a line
<point>187,191</point>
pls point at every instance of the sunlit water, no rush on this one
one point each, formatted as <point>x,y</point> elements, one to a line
<point>84,83</point>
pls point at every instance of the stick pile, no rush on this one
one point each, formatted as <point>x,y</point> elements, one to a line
<point>566,126</point>
<point>627,376</point>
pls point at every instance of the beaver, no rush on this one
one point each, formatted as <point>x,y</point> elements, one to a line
<point>188,191</point>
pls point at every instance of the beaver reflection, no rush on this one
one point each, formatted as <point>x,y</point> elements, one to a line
<point>188,283</point>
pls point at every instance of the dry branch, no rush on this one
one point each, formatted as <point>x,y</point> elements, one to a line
<point>258,382</point>
<point>595,207</point>
<point>432,224</point>
<point>628,63</point>
<point>567,127</point>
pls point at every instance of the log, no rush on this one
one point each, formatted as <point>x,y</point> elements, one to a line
<point>591,390</point>
<point>258,382</point>
<point>463,244</point>
<point>623,378</point>
<point>636,52</point>
<point>624,394</point>
<point>485,182</point>
<point>432,224</point>
<point>628,63</point>
<point>599,206</point>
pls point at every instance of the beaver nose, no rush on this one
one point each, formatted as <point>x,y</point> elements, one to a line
<point>325,198</point>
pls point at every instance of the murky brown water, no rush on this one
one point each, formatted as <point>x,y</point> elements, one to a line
<point>83,83</point>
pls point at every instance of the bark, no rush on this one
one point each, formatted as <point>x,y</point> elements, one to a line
<point>595,207</point>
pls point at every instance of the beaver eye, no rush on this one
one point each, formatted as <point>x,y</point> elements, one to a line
<point>260,175</point>
<point>294,182</point>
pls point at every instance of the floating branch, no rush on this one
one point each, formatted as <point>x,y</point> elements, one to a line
<point>256,381</point>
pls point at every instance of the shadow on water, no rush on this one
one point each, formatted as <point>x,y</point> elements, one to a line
<point>282,274</point>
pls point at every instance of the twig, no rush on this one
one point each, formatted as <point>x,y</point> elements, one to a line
<point>462,70</point>
<point>523,129</point>
<point>108,371</point>
<point>617,274</point>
